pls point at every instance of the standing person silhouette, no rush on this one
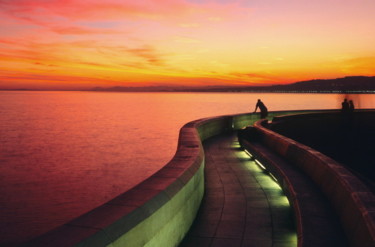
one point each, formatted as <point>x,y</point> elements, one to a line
<point>351,106</point>
<point>345,106</point>
<point>262,108</point>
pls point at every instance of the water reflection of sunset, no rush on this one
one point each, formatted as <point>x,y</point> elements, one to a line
<point>81,44</point>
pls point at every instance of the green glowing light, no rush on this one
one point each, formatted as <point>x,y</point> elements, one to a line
<point>236,146</point>
<point>253,168</point>
<point>248,153</point>
<point>268,183</point>
<point>276,197</point>
<point>281,201</point>
<point>291,237</point>
<point>243,156</point>
<point>260,164</point>
<point>273,177</point>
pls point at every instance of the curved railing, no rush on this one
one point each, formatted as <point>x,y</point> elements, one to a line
<point>351,199</point>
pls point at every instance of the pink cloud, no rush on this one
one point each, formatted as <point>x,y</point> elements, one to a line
<point>112,9</point>
<point>69,33</point>
<point>75,30</point>
<point>91,9</point>
<point>52,53</point>
<point>47,19</point>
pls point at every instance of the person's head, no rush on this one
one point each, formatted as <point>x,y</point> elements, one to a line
<point>258,100</point>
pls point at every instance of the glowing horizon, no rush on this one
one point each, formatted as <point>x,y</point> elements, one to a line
<point>88,43</point>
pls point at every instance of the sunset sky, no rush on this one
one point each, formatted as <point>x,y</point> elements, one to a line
<point>55,44</point>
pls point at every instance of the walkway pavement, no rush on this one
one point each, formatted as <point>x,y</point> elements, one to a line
<point>242,205</point>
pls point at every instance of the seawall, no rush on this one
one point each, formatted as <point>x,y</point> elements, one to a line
<point>160,210</point>
<point>350,198</point>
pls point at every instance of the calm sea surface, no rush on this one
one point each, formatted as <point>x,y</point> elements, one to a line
<point>64,153</point>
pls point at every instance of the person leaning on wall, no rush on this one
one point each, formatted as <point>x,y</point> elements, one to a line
<point>263,109</point>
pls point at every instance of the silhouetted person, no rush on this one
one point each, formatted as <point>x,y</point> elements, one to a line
<point>345,106</point>
<point>351,106</point>
<point>346,118</point>
<point>262,108</point>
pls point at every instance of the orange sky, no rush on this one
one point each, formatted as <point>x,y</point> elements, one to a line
<point>56,44</point>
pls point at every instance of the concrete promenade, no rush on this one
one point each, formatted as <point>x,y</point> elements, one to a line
<point>242,205</point>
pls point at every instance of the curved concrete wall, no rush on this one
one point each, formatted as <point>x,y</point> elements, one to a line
<point>158,211</point>
<point>353,202</point>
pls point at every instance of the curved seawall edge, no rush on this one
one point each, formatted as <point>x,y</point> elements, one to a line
<point>160,210</point>
<point>350,198</point>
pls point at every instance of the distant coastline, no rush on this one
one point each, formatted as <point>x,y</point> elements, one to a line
<point>345,85</point>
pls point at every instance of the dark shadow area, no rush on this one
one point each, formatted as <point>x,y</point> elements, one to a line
<point>347,137</point>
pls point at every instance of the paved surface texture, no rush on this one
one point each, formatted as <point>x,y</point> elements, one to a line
<point>242,205</point>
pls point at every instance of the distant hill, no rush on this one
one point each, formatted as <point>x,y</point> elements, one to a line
<point>352,84</point>
<point>361,84</point>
